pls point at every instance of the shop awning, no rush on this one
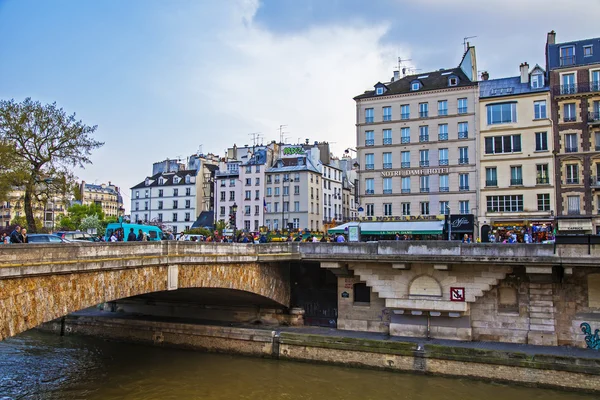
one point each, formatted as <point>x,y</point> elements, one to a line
<point>391,228</point>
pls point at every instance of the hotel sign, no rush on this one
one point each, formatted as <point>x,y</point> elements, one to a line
<point>399,218</point>
<point>408,172</point>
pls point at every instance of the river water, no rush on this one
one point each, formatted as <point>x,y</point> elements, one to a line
<point>37,365</point>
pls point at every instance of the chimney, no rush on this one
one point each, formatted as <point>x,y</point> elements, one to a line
<point>485,76</point>
<point>396,76</point>
<point>551,38</point>
<point>524,68</point>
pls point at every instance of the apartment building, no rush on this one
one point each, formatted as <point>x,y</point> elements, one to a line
<point>574,74</point>
<point>417,143</point>
<point>106,196</point>
<point>516,156</point>
<point>228,192</point>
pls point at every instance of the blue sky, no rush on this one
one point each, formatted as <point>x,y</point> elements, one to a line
<point>162,78</point>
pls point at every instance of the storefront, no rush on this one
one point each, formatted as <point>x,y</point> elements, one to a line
<point>572,226</point>
<point>461,225</point>
<point>521,231</point>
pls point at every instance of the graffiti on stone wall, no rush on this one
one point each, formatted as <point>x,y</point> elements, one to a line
<point>385,316</point>
<point>591,339</point>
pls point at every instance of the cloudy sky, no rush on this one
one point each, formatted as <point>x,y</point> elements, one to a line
<point>162,79</point>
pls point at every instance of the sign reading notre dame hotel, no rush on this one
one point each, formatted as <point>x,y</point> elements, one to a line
<point>416,143</point>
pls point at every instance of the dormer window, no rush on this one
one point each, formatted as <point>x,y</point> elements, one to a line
<point>187,179</point>
<point>379,91</point>
<point>147,182</point>
<point>175,179</point>
<point>452,81</point>
<point>416,85</point>
<point>537,81</point>
<point>161,181</point>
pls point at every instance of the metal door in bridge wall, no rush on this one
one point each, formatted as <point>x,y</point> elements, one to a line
<point>315,290</point>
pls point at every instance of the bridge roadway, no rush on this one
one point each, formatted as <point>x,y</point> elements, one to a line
<point>39,283</point>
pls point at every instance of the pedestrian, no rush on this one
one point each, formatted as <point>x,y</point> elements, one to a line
<point>140,236</point>
<point>4,238</point>
<point>113,237</point>
<point>465,238</point>
<point>181,237</point>
<point>397,236</point>
<point>340,238</point>
<point>170,235</point>
<point>24,235</point>
<point>314,239</point>
<point>323,239</point>
<point>131,237</point>
<point>527,238</point>
<point>15,236</point>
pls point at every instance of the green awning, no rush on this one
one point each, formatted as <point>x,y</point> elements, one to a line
<point>391,228</point>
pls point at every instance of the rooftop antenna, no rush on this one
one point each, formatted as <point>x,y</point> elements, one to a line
<point>255,137</point>
<point>465,43</point>
<point>401,67</point>
<point>281,138</point>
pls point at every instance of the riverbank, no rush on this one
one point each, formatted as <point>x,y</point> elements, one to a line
<point>543,366</point>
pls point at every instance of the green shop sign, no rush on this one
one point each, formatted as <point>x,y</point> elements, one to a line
<point>293,151</point>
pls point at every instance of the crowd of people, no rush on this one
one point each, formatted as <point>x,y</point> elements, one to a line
<point>18,235</point>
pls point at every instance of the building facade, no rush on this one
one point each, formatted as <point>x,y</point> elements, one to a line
<point>106,196</point>
<point>228,192</point>
<point>574,73</point>
<point>417,143</point>
<point>516,157</point>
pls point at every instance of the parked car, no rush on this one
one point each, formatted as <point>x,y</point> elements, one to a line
<point>45,238</point>
<point>76,236</point>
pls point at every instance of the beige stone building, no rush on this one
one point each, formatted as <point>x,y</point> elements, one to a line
<point>49,211</point>
<point>417,144</point>
<point>107,196</point>
<point>516,156</point>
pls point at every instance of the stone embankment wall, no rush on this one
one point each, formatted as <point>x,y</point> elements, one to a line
<point>573,372</point>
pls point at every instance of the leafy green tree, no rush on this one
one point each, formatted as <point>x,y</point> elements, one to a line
<point>22,221</point>
<point>92,222</point>
<point>45,144</point>
<point>77,212</point>
<point>66,224</point>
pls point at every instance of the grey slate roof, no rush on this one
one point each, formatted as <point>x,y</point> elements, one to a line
<point>168,177</point>
<point>289,167</point>
<point>506,87</point>
<point>579,59</point>
<point>435,80</point>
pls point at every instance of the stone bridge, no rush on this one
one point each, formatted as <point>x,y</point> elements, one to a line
<point>39,283</point>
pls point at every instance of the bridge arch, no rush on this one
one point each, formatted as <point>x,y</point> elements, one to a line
<point>26,302</point>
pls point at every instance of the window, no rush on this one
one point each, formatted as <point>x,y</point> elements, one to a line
<point>160,204</point>
<point>463,155</point>
<point>543,202</point>
<point>491,177</point>
<point>137,206</point>
<point>569,114</point>
<point>248,194</point>
<point>424,133</point>
<point>276,191</point>
<point>568,84</point>
<point>387,137</point>
<point>257,182</point>
<point>188,191</point>
<point>542,176</point>
<point>369,186</point>
<point>369,115</point>
<point>405,111</point>
<point>424,208</point>
<point>463,206</point>
<point>444,183</point>
<point>424,183</point>
<point>387,160</point>
<point>188,204</point>
<point>231,196</point>
<point>516,175</point>
<point>257,168</point>
<point>296,206</point>
<point>463,182</point>
<point>539,109</point>
<point>572,173</point>
<point>174,217</point>
<point>415,86</point>
<point>387,209</point>
<point>541,141</point>
<point>567,55</point>
<point>286,190</point>
<point>362,293</point>
<point>537,80</point>
<point>570,143</point>
<point>463,130</point>
<point>137,194</point>
<point>444,207</point>
<point>406,184</point>
<point>222,196</point>
<point>296,222</point>
<point>387,113</point>
<point>442,107</point>
<point>510,203</point>
<point>379,90</point>
<point>405,135</point>
<point>160,193</point>
<point>296,189</point>
<point>387,185</point>
<point>286,206</point>
<point>462,106</point>
<point>160,217</point>
<point>443,132</point>
<point>249,169</point>
<point>405,159</point>
<point>503,144</point>
<point>370,210</point>
<point>405,209</point>
<point>257,195</point>
<point>443,157</point>
<point>269,192</point>
<point>369,138</point>
<point>501,113</point>
<point>175,192</point>
<point>175,204</point>
<point>187,216</point>
<point>424,158</point>
<point>573,205</point>
<point>256,210</point>
<point>452,81</point>
<point>588,51</point>
<point>276,206</point>
<point>369,161</point>
<point>595,86</point>
<point>423,110</point>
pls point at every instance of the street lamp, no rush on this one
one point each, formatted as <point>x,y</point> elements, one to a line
<point>449,224</point>
<point>234,208</point>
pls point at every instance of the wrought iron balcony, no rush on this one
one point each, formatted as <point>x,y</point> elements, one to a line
<point>491,182</point>
<point>423,138</point>
<point>569,118</point>
<point>574,212</point>
<point>443,161</point>
<point>595,181</point>
<point>443,136</point>
<point>463,160</point>
<point>424,190</point>
<point>571,149</point>
<point>595,87</point>
<point>594,117</point>
<point>369,166</point>
<point>572,181</point>
<point>516,181</point>
<point>463,188</point>
<point>369,142</point>
<point>463,135</point>
<point>387,165</point>
<point>423,114</point>
<point>387,141</point>
<point>405,139</point>
<point>387,191</point>
<point>423,163</point>
<point>567,60</point>
<point>542,180</point>
<point>405,164</point>
<point>369,191</point>
<point>405,190</point>
<point>444,189</point>
<point>368,120</point>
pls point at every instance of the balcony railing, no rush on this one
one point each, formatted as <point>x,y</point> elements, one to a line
<point>405,139</point>
<point>570,118</point>
<point>387,191</point>
<point>571,149</point>
<point>369,191</point>
<point>491,182</point>
<point>463,135</point>
<point>423,163</point>
<point>369,142</point>
<point>424,190</point>
<point>405,164</point>
<point>443,112</point>
<point>462,110</point>
<point>559,90</point>
<point>405,190</point>
<point>423,114</point>
<point>594,116</point>
<point>572,181</point>
<point>443,161</point>
<point>463,188</point>
<point>405,116</point>
<point>443,136</point>
<point>463,160</point>
<point>595,181</point>
<point>387,165</point>
<point>368,120</point>
<point>574,212</point>
<point>369,166</point>
<point>387,141</point>
<point>444,189</point>
<point>542,180</point>
<point>516,181</point>
<point>387,118</point>
<point>423,138</point>
<point>567,60</point>
<point>595,87</point>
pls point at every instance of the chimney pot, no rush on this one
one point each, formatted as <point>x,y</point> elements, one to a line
<point>524,69</point>
<point>551,39</point>
<point>485,76</point>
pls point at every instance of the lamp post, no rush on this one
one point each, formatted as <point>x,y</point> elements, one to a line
<point>449,224</point>
<point>234,208</point>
